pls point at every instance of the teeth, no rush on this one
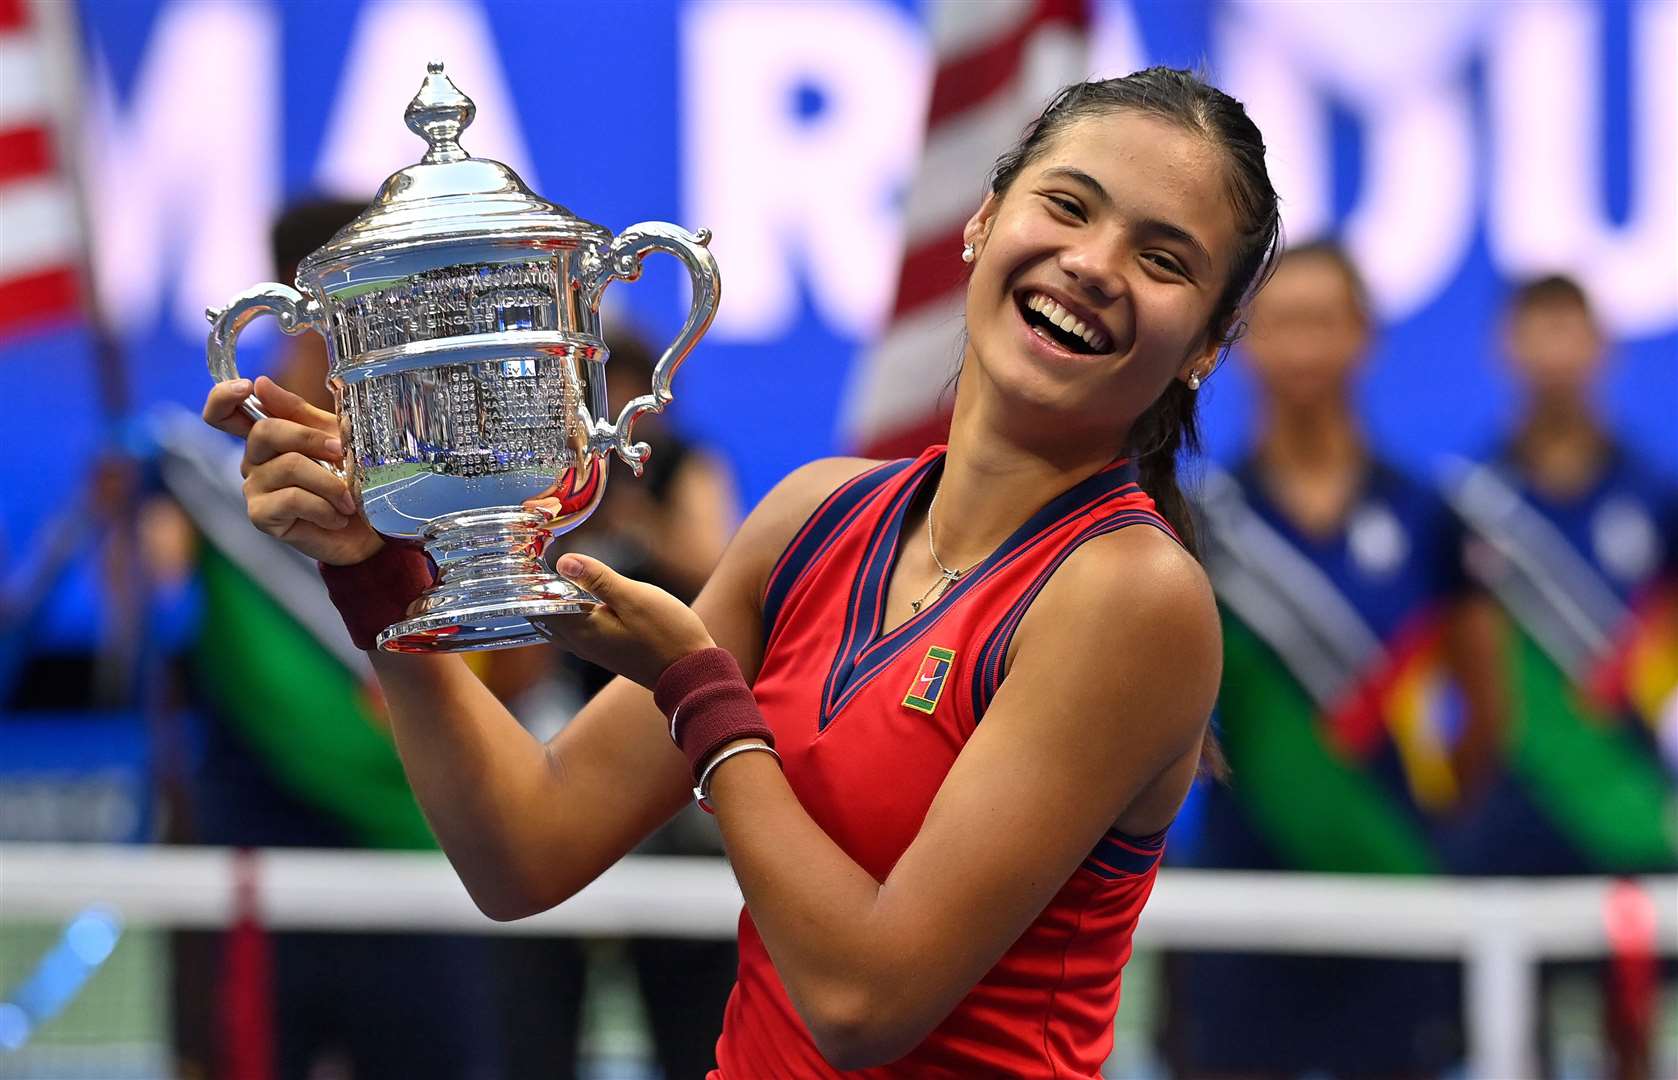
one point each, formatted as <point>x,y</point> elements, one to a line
<point>1066,321</point>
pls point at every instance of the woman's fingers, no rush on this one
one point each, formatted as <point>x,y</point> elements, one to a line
<point>282,404</point>
<point>295,470</point>
<point>222,407</point>
<point>288,493</point>
<point>276,512</point>
<point>273,437</point>
<point>293,426</point>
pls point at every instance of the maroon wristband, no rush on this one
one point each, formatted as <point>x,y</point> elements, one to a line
<point>375,593</point>
<point>708,704</point>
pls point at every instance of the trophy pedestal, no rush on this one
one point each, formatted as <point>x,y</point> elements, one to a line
<point>491,583</point>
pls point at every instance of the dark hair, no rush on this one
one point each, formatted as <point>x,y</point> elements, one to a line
<point>1332,252</point>
<point>1168,426</point>
<point>304,226</point>
<point>631,353</point>
<point>1552,289</point>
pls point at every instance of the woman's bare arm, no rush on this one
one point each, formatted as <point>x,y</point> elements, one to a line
<point>527,825</point>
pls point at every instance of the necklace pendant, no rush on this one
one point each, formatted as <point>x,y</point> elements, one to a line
<point>914,605</point>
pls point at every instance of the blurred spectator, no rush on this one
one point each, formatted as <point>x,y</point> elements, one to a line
<point>1578,540</point>
<point>1343,605</point>
<point>110,572</point>
<point>94,615</point>
<point>297,753</point>
<point>668,527</point>
<point>303,366</point>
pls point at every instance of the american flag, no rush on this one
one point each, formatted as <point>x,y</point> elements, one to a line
<point>40,234</point>
<point>998,61</point>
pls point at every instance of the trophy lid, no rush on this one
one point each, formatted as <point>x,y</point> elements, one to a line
<point>449,196</point>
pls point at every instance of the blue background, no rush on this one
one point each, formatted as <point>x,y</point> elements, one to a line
<point>1434,384</point>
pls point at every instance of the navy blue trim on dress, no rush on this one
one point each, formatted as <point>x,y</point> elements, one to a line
<point>820,530</point>
<point>987,670</point>
<point>1118,855</point>
<point>864,606</point>
<point>864,652</point>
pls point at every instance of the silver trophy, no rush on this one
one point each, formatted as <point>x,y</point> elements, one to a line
<point>462,317</point>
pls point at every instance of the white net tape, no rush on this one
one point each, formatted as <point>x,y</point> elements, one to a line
<point>1500,929</point>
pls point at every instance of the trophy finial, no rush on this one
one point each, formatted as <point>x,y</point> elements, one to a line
<point>438,114</point>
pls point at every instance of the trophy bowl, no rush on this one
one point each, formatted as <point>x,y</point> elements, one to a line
<point>461,315</point>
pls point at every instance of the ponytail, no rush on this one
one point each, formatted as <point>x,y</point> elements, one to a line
<point>1168,429</point>
<point>1160,435</point>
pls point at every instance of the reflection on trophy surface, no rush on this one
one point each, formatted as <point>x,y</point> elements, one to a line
<point>462,318</point>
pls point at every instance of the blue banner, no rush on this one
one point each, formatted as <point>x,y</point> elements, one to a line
<point>1455,147</point>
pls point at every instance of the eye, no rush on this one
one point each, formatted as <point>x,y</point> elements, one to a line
<point>1066,206</point>
<point>1167,263</point>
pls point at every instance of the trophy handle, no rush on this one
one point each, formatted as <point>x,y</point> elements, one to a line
<point>295,314</point>
<point>623,260</point>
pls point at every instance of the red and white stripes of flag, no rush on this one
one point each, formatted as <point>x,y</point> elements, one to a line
<point>997,64</point>
<point>39,231</point>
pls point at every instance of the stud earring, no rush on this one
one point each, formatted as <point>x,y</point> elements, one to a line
<point>968,253</point>
<point>1194,380</point>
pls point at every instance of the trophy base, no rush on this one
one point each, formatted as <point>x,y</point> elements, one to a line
<point>491,584</point>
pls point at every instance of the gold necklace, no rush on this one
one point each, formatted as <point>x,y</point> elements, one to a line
<point>946,576</point>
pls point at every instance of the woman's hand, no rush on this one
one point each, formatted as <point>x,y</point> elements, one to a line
<point>288,495</point>
<point>637,632</point>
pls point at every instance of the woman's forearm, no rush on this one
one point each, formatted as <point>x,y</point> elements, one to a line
<point>819,915</point>
<point>477,774</point>
<point>528,824</point>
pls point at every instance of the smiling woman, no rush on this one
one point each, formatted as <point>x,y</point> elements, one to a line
<point>926,893</point>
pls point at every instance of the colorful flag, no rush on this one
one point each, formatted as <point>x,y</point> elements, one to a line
<point>1338,737</point>
<point>273,658</point>
<point>997,64</point>
<point>1591,679</point>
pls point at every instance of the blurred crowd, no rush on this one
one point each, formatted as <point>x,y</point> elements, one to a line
<point>1466,673</point>
<point>1470,672</point>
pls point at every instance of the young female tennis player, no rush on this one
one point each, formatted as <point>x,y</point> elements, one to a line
<point>924,892</point>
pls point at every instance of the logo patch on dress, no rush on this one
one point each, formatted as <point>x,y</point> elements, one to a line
<point>928,686</point>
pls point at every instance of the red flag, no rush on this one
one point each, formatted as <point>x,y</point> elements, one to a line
<point>1633,976</point>
<point>997,64</point>
<point>40,233</point>
<point>247,983</point>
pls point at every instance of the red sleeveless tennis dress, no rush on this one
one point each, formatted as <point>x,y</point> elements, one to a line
<point>868,726</point>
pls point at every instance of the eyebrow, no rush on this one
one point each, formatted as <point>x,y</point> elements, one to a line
<point>1152,225</point>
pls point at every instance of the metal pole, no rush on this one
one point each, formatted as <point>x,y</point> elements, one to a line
<point>1500,971</point>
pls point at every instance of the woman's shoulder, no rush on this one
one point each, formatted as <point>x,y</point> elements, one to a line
<point>779,515</point>
<point>1125,637</point>
<point>1129,589</point>
<point>791,502</point>
<point>1139,564</point>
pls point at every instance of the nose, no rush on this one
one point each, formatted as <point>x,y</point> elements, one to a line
<point>1095,263</point>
